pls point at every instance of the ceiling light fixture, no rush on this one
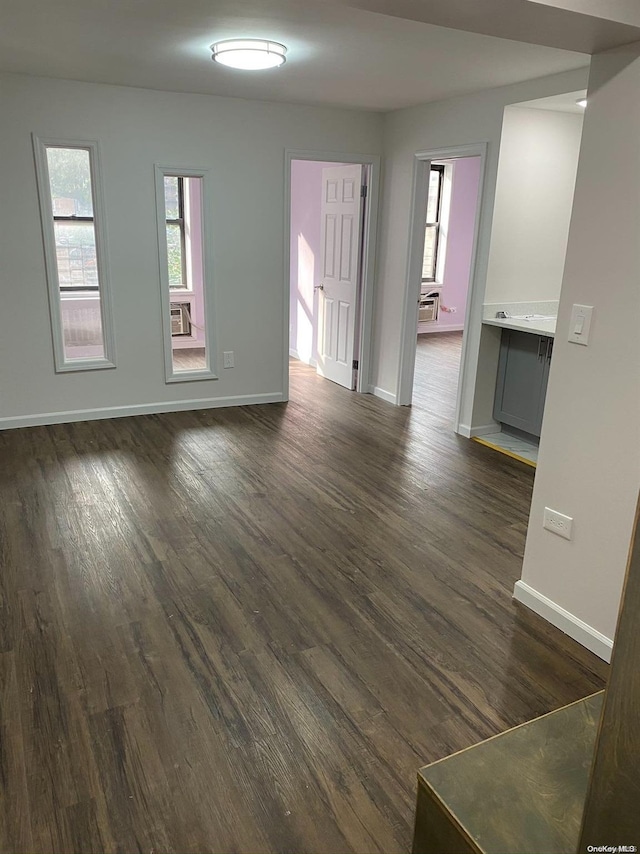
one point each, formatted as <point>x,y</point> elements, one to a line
<point>582,102</point>
<point>249,54</point>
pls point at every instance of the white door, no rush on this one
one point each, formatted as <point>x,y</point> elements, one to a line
<point>339,270</point>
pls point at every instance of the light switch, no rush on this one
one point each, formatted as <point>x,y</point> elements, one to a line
<point>580,324</point>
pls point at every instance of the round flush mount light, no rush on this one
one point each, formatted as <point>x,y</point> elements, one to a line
<point>249,54</point>
<point>581,102</point>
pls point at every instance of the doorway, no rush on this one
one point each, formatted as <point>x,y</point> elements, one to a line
<point>452,202</point>
<point>428,304</point>
<point>331,206</point>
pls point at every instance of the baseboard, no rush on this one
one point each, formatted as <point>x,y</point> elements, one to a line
<point>470,432</point>
<point>382,394</point>
<point>294,354</point>
<point>485,429</point>
<point>459,327</point>
<point>136,409</point>
<point>563,620</point>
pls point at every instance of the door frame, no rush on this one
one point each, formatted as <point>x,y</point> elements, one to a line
<point>421,166</point>
<point>364,321</point>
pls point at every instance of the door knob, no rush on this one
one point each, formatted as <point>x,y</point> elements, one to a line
<point>319,287</point>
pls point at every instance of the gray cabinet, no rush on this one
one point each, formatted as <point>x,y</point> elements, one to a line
<point>523,373</point>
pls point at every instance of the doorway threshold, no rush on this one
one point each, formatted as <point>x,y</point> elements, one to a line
<point>511,446</point>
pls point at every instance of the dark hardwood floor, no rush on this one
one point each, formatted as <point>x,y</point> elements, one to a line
<point>435,383</point>
<point>246,629</point>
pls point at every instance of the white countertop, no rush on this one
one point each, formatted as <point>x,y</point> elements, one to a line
<point>537,327</point>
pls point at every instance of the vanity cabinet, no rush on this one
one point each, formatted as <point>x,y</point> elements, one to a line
<point>523,373</point>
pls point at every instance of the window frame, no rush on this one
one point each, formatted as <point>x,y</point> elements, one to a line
<point>167,291</point>
<point>440,169</point>
<point>73,219</point>
<point>181,223</point>
<point>55,290</point>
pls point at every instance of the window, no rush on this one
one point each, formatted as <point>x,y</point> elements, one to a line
<point>185,270</point>
<point>74,228</point>
<point>432,228</point>
<point>174,211</point>
<point>75,254</point>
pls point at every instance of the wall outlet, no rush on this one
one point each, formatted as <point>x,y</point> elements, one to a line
<point>228,359</point>
<point>557,523</point>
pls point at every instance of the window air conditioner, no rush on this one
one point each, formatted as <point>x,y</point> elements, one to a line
<point>180,319</point>
<point>428,307</point>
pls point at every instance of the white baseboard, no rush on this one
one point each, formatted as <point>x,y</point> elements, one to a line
<point>136,409</point>
<point>469,432</point>
<point>430,330</point>
<point>294,354</point>
<point>485,429</point>
<point>382,394</point>
<point>568,623</point>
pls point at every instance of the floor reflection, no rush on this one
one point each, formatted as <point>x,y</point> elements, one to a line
<point>191,359</point>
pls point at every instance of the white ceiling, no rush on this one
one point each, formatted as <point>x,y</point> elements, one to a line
<point>557,103</point>
<point>587,26</point>
<point>624,11</point>
<point>338,56</point>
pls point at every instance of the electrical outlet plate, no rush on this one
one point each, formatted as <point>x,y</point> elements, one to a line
<point>580,324</point>
<point>228,359</point>
<point>558,523</point>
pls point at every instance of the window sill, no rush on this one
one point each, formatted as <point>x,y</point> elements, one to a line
<point>191,376</point>
<point>76,295</point>
<point>84,364</point>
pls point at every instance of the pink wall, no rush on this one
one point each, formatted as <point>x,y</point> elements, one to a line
<point>462,220</point>
<point>306,196</point>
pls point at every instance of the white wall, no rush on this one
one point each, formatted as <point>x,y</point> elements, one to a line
<point>242,143</point>
<point>534,196</point>
<point>589,466</point>
<point>457,121</point>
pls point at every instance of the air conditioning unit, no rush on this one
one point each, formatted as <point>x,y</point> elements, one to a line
<point>428,307</point>
<point>180,319</point>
